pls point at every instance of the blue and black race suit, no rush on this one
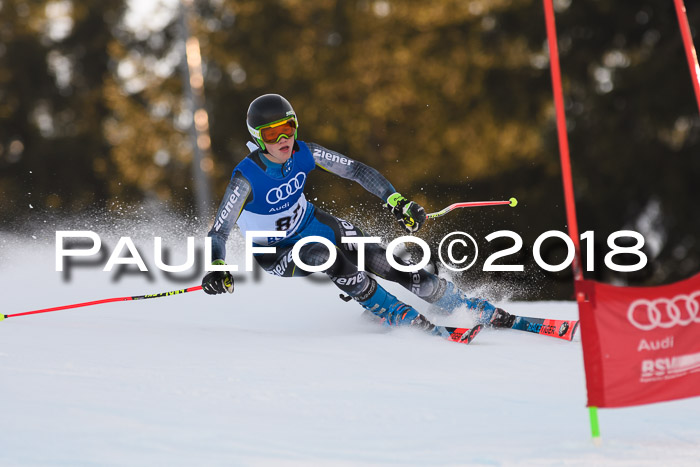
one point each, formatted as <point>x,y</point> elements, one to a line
<point>264,196</point>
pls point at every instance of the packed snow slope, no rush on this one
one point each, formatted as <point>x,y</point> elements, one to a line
<point>282,373</point>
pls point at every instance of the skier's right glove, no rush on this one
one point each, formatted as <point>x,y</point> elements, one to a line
<point>217,282</point>
<point>410,214</point>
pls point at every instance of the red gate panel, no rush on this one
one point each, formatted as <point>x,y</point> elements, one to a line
<point>640,344</point>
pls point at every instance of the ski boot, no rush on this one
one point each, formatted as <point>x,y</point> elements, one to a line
<point>388,308</point>
<point>381,306</point>
<point>501,319</point>
<point>451,298</point>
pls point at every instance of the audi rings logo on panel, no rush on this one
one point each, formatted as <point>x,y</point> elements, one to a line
<point>664,313</point>
<point>286,190</point>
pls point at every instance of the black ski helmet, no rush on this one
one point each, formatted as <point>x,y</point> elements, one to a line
<point>265,110</point>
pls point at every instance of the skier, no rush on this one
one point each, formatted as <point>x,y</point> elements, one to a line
<point>266,194</point>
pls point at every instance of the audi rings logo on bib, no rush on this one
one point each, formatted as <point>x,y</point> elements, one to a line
<point>286,190</point>
<point>664,313</point>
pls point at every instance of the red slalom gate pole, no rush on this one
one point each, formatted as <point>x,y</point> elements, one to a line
<point>566,169</point>
<point>690,53</point>
<point>563,138</point>
<point>106,300</point>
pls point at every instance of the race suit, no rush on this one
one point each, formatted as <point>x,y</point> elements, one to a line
<point>265,196</point>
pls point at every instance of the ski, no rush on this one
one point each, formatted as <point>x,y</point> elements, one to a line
<point>559,328</point>
<point>459,335</point>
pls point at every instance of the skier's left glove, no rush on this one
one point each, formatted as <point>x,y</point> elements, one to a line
<point>410,214</point>
<point>216,282</point>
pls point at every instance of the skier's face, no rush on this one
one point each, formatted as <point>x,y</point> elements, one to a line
<point>281,151</point>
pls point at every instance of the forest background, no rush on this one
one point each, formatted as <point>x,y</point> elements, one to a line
<point>451,100</point>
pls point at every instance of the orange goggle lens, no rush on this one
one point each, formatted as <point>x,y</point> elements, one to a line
<point>272,134</point>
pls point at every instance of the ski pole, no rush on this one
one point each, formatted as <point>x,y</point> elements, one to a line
<point>511,202</point>
<point>106,300</point>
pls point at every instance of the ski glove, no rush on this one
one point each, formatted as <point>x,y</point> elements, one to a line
<point>410,214</point>
<point>217,282</point>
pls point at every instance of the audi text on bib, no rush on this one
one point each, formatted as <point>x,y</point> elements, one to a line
<point>277,204</point>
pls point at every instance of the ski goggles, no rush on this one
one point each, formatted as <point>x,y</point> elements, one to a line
<point>273,132</point>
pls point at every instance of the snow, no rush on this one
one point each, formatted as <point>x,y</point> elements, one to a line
<point>284,373</point>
